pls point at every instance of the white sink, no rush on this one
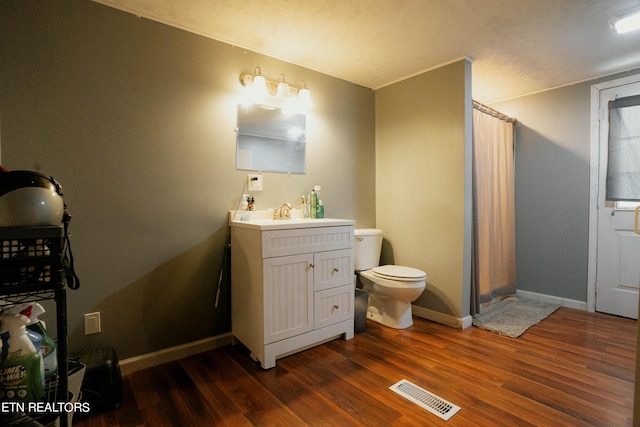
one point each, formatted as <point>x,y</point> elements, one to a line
<point>263,220</point>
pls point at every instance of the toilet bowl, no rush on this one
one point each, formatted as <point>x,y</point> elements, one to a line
<point>391,288</point>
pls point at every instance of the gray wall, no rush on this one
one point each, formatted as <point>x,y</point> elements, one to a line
<point>552,189</point>
<point>136,120</point>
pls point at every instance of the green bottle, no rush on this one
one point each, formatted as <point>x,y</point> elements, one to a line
<point>314,204</point>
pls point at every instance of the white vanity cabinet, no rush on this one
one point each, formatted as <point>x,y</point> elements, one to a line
<point>291,285</point>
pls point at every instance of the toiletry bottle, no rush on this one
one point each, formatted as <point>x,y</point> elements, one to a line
<point>20,377</point>
<point>304,207</point>
<point>314,203</point>
<point>320,213</point>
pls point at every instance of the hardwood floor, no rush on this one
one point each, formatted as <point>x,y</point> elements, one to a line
<point>572,369</point>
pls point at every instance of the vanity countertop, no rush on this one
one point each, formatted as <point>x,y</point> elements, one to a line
<point>286,224</point>
<point>263,220</point>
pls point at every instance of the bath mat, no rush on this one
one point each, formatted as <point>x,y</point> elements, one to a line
<point>513,316</point>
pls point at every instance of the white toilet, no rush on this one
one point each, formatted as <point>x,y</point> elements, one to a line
<point>391,288</point>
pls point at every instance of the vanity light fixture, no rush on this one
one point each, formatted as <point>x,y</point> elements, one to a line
<point>276,93</point>
<point>628,22</point>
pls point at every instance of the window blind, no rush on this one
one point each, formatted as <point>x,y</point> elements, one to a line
<point>623,166</point>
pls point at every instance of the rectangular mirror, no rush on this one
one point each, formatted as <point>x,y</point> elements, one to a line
<point>269,140</point>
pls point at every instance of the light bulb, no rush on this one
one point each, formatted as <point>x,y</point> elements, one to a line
<point>304,98</point>
<point>283,90</point>
<point>260,84</point>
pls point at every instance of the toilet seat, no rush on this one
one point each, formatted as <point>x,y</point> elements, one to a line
<point>399,273</point>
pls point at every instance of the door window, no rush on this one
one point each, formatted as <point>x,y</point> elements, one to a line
<point>623,169</point>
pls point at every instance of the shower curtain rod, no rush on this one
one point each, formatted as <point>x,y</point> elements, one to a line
<point>490,111</point>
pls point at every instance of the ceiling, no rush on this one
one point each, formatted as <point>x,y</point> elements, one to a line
<point>517,47</point>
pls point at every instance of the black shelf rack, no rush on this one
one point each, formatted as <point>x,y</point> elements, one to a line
<point>32,269</point>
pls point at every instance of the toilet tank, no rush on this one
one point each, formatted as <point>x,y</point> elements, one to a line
<point>367,246</point>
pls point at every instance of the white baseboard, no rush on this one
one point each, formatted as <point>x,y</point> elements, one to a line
<point>438,317</point>
<point>166,355</point>
<point>170,354</point>
<point>465,322</point>
<point>563,302</point>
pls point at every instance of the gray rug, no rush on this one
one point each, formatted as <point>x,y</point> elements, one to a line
<point>513,316</point>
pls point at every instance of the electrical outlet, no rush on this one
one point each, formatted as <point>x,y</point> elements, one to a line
<point>92,323</point>
<point>254,182</point>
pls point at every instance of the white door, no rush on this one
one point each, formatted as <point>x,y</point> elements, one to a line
<point>618,246</point>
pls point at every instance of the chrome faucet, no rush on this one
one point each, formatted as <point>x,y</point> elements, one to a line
<point>283,213</point>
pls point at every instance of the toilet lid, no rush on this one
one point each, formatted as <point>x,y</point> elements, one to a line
<point>399,272</point>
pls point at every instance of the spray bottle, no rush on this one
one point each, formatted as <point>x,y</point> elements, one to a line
<point>47,344</point>
<point>20,375</point>
<point>32,310</point>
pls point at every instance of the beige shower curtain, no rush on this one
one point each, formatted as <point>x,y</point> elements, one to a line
<point>494,265</point>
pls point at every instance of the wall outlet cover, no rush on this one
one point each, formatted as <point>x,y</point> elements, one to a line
<point>92,323</point>
<point>254,182</point>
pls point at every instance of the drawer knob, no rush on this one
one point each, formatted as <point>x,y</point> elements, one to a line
<point>335,270</point>
<point>336,306</point>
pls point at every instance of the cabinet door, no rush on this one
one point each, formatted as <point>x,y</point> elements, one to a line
<point>288,296</point>
<point>333,268</point>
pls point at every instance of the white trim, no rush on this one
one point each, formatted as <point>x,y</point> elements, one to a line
<point>438,317</point>
<point>594,162</point>
<point>564,302</point>
<point>218,37</point>
<point>598,77</point>
<point>623,81</point>
<point>149,360</point>
<point>465,322</point>
<point>426,70</point>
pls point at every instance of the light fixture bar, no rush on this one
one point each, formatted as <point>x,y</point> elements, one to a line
<point>627,23</point>
<point>275,93</point>
<point>247,80</point>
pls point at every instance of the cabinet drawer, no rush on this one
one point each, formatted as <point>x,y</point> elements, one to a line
<point>333,305</point>
<point>304,240</point>
<point>333,268</point>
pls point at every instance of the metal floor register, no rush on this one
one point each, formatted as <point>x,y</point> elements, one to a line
<point>425,399</point>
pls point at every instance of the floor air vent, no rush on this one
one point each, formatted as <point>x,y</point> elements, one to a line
<point>425,399</point>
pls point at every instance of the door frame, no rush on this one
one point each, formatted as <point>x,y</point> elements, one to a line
<point>594,162</point>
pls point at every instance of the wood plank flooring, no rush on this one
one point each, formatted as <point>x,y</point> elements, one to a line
<point>572,369</point>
